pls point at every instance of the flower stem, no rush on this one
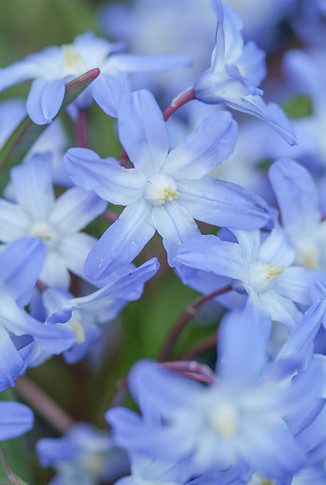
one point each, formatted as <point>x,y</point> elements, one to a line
<point>182,321</point>
<point>43,404</point>
<point>179,101</point>
<point>192,370</point>
<point>201,347</point>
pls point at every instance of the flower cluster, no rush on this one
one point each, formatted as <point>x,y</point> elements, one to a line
<point>239,202</point>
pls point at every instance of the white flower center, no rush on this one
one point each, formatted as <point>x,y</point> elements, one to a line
<point>258,479</point>
<point>224,419</point>
<point>73,63</point>
<point>161,188</point>
<point>92,462</point>
<point>44,231</point>
<point>75,325</point>
<point>262,275</point>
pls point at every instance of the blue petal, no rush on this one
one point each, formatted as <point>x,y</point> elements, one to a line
<point>223,203</point>
<point>11,364</point>
<point>74,248</point>
<point>52,339</point>
<point>296,193</point>
<point>207,147</point>
<point>52,98</point>
<point>20,266</point>
<point>209,253</point>
<point>175,225</point>
<point>122,241</point>
<point>34,102</point>
<point>14,222</point>
<point>33,186</point>
<point>16,73</point>
<point>143,132</point>
<point>107,92</point>
<point>75,209</point>
<point>104,177</point>
<point>15,420</point>
<point>242,342</point>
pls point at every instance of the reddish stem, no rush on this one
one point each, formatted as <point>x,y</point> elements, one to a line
<point>40,285</point>
<point>185,318</point>
<point>191,369</point>
<point>43,404</point>
<point>110,216</point>
<point>82,128</point>
<point>179,101</point>
<point>201,347</point>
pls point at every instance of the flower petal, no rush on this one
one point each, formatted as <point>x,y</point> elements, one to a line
<point>11,364</point>
<point>122,241</point>
<point>52,339</point>
<point>296,193</point>
<point>14,221</point>
<point>54,272</point>
<point>74,209</point>
<point>52,98</point>
<point>107,92</point>
<point>104,177</point>
<point>209,253</point>
<point>20,265</point>
<point>16,419</point>
<point>143,132</point>
<point>175,225</point>
<point>74,250</point>
<point>223,203</point>
<point>33,186</point>
<point>204,149</point>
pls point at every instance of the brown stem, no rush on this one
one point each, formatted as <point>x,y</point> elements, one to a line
<point>201,347</point>
<point>185,318</point>
<point>43,404</point>
<point>179,101</point>
<point>82,128</point>
<point>191,369</point>
<point>110,216</point>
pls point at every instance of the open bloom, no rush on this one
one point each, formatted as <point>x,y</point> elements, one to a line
<point>166,190</point>
<point>263,266</point>
<point>247,415</point>
<point>56,222</point>
<point>54,66</point>
<point>297,198</point>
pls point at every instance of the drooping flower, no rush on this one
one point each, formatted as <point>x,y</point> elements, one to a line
<point>235,73</point>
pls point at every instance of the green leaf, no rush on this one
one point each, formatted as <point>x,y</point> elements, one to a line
<point>11,475</point>
<point>26,134</point>
<point>298,107</point>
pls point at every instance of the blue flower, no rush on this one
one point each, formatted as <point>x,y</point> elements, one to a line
<point>297,197</point>
<point>248,415</point>
<point>235,73</point>
<point>85,456</point>
<point>56,222</point>
<point>261,264</point>
<point>166,190</point>
<point>86,315</point>
<point>53,67</point>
